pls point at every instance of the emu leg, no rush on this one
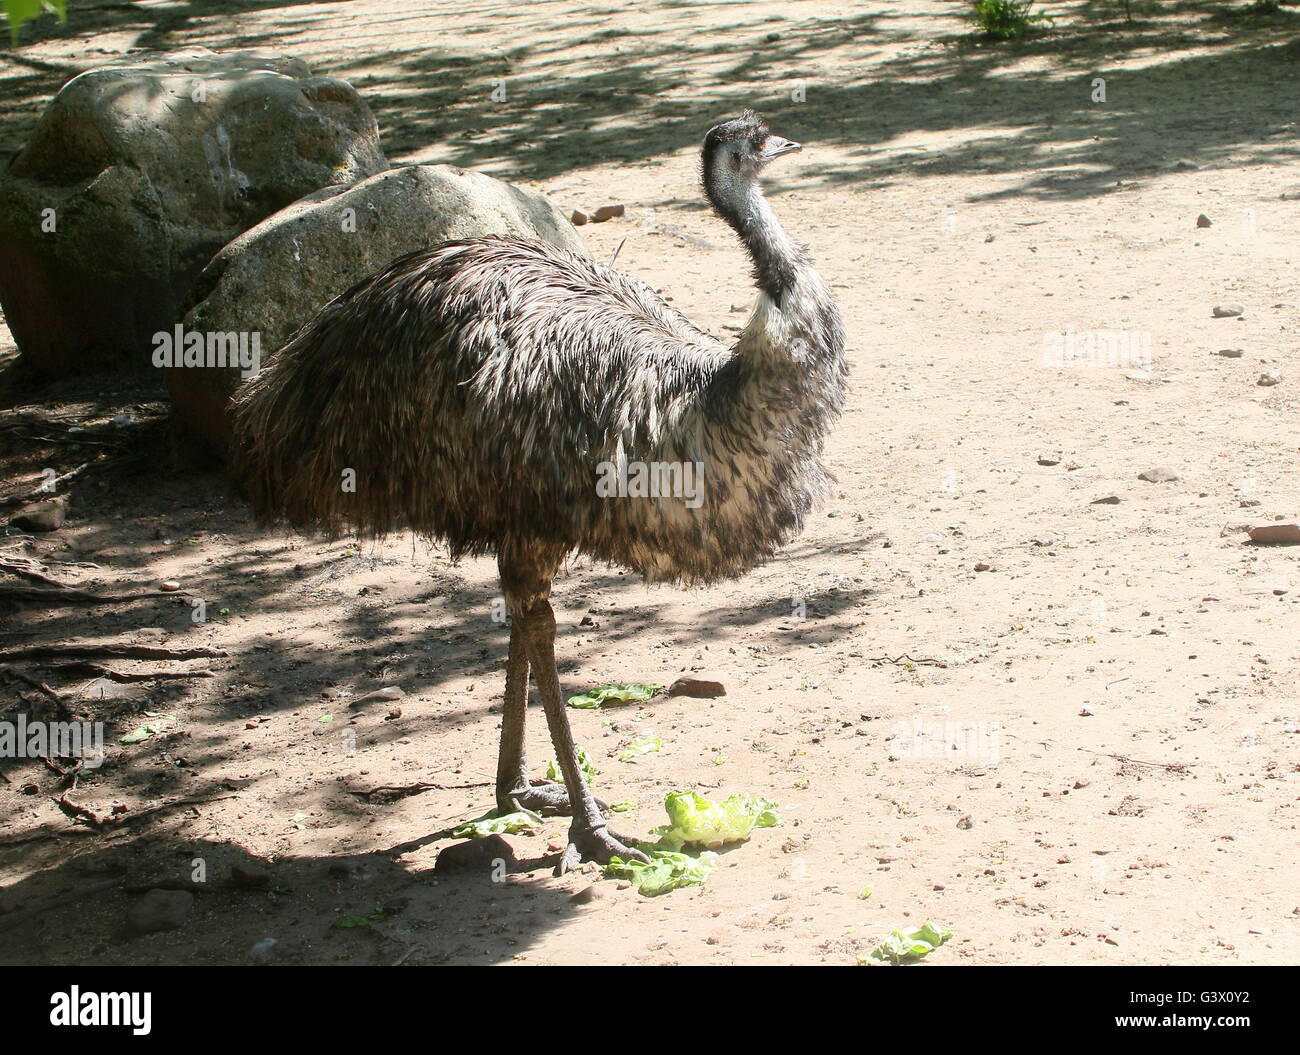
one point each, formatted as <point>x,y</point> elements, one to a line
<point>514,790</point>
<point>589,838</point>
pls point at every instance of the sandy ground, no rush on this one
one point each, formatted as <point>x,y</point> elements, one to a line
<point>1120,680</point>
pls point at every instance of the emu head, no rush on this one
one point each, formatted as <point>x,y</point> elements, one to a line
<point>735,152</point>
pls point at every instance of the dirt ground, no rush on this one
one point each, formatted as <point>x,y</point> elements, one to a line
<point>1121,680</point>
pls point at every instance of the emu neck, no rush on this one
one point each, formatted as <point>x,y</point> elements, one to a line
<point>777,260</point>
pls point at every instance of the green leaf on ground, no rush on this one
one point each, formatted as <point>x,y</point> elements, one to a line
<point>645,744</point>
<point>521,822</point>
<point>353,920</point>
<point>149,729</point>
<point>610,695</point>
<point>696,820</point>
<point>585,763</point>
<point>907,946</point>
<point>666,871</point>
<point>20,11</point>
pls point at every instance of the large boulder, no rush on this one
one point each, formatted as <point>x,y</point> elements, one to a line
<point>138,172</point>
<point>262,287</point>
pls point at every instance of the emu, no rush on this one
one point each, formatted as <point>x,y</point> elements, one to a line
<point>480,389</point>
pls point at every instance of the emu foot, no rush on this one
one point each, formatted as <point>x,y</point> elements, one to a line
<point>547,797</point>
<point>597,844</point>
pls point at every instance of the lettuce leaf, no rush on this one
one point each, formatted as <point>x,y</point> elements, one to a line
<point>645,744</point>
<point>908,946</point>
<point>666,871</point>
<point>585,763</point>
<point>695,820</point>
<point>605,695</point>
<point>523,822</point>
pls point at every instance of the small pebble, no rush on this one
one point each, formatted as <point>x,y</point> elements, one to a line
<point>159,910</point>
<point>1286,533</point>
<point>586,895</point>
<point>699,688</point>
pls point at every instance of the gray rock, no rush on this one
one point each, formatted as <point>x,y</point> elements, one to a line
<point>1158,475</point>
<point>262,950</point>
<point>275,277</point>
<point>1269,378</point>
<point>1228,311</point>
<point>146,169</point>
<point>249,875</point>
<point>160,910</point>
<point>41,516</point>
<point>477,856</point>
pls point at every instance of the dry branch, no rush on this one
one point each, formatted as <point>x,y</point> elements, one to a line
<point>128,676</point>
<point>70,595</point>
<point>111,650</point>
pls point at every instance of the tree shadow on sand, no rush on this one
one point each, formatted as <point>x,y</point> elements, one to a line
<point>345,616</point>
<point>591,90</point>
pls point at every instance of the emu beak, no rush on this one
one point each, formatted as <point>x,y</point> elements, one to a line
<point>775,147</point>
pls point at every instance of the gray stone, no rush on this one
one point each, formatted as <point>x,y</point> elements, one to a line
<point>147,168</point>
<point>249,875</point>
<point>41,516</point>
<point>477,856</point>
<point>275,277</point>
<point>159,910</point>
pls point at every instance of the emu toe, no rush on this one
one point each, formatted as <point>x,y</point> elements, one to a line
<point>547,797</point>
<point>599,844</point>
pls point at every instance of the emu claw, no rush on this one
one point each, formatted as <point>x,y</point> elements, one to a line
<point>596,844</point>
<point>547,797</point>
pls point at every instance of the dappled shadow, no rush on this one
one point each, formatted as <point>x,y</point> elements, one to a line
<point>339,618</point>
<point>352,618</point>
<point>356,909</point>
<point>578,85</point>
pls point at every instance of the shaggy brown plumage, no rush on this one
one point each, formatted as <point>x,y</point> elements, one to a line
<point>490,392</point>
